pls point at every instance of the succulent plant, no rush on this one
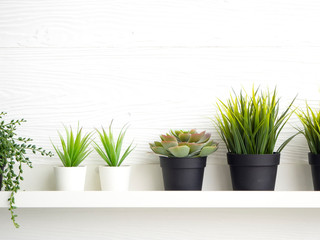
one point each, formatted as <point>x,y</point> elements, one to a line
<point>179,143</point>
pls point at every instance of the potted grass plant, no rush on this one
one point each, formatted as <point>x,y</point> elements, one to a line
<point>75,149</point>
<point>250,127</point>
<point>311,130</point>
<point>183,157</point>
<point>114,176</point>
<point>14,151</point>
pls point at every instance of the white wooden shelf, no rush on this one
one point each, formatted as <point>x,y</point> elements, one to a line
<point>163,199</point>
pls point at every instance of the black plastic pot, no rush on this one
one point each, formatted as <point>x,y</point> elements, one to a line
<point>183,173</point>
<point>253,171</point>
<point>314,161</point>
<point>1,177</point>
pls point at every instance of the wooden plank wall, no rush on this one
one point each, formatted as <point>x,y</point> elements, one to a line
<point>157,64</point>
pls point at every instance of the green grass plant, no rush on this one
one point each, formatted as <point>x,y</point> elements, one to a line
<point>252,124</point>
<point>75,148</point>
<point>111,148</point>
<point>311,128</point>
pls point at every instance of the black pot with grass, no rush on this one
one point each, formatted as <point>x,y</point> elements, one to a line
<point>253,171</point>
<point>250,126</point>
<point>310,120</point>
<point>314,161</point>
<point>1,168</point>
<point>183,158</point>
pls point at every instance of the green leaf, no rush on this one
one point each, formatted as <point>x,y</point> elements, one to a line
<point>184,137</point>
<point>195,147</point>
<point>205,138</point>
<point>158,144</point>
<point>310,120</point>
<point>192,141</point>
<point>111,149</point>
<point>168,138</point>
<point>251,124</point>
<point>168,144</point>
<point>183,144</point>
<point>160,150</point>
<point>179,151</point>
<point>192,131</point>
<point>207,151</point>
<point>195,137</point>
<point>75,148</point>
<point>13,155</point>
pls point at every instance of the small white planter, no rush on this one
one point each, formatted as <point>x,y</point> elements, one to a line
<point>114,178</point>
<point>70,178</point>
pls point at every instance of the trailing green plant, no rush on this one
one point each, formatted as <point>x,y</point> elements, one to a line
<point>13,151</point>
<point>252,124</point>
<point>75,148</point>
<point>181,144</point>
<point>311,128</point>
<point>111,148</point>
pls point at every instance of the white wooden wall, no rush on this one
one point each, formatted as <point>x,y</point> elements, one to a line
<point>157,64</point>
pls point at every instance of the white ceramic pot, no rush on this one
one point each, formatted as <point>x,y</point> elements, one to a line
<point>114,178</point>
<point>70,178</point>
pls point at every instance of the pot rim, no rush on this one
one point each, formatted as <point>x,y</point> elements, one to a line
<point>184,158</point>
<point>81,166</point>
<point>313,154</point>
<point>270,154</point>
<point>121,166</point>
<point>174,162</point>
<point>253,160</point>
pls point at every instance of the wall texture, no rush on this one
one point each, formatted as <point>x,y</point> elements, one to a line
<point>157,65</point>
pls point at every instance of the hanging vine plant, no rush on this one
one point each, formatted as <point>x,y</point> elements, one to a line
<point>13,152</point>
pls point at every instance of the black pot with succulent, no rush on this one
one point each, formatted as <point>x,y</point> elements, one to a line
<point>250,127</point>
<point>183,158</point>
<point>13,152</point>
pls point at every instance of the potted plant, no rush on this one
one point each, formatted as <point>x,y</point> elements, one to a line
<point>13,152</point>
<point>75,148</point>
<point>114,176</point>
<point>311,130</point>
<point>250,126</point>
<point>183,158</point>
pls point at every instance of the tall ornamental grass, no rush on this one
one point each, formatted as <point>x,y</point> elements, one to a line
<point>311,128</point>
<point>252,124</point>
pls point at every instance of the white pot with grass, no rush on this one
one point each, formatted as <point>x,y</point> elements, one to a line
<point>70,178</point>
<point>114,176</point>
<point>75,148</point>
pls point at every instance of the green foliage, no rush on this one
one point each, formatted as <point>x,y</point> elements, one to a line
<point>13,150</point>
<point>181,143</point>
<point>75,148</point>
<point>252,124</point>
<point>311,128</point>
<point>111,149</point>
